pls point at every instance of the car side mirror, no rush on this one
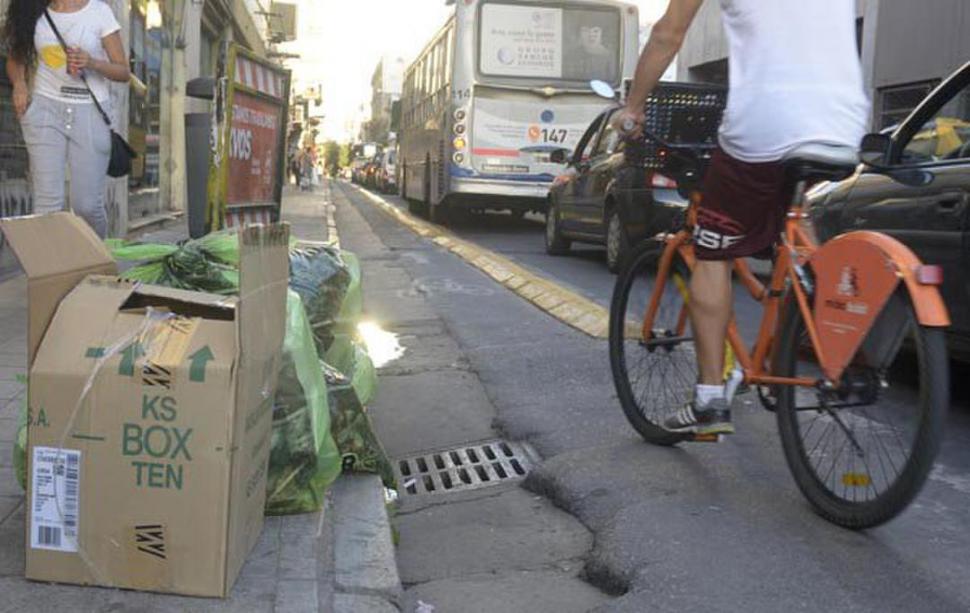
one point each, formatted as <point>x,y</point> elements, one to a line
<point>559,156</point>
<point>874,150</point>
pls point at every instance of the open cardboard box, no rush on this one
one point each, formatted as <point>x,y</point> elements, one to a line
<point>150,413</point>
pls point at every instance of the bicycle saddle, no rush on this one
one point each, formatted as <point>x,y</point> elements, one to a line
<point>821,161</point>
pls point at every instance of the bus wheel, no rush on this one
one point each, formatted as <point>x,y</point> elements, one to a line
<point>439,213</point>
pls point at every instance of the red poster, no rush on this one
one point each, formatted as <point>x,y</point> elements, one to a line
<point>253,143</point>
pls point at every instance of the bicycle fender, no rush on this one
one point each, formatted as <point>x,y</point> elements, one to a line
<point>855,275</point>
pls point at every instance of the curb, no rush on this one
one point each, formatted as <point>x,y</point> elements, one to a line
<point>364,562</point>
<point>565,305</point>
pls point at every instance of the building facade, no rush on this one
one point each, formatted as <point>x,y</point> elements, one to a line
<point>386,85</point>
<point>168,42</point>
<point>906,48</point>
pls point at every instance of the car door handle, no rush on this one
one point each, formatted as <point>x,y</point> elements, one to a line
<point>951,203</point>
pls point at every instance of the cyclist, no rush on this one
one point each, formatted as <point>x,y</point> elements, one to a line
<point>795,78</point>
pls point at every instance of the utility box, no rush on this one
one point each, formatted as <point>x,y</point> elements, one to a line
<point>150,414</point>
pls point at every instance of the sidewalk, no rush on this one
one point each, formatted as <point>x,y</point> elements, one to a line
<point>472,539</point>
<point>339,559</point>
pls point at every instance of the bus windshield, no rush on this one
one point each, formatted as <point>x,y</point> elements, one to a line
<point>548,42</point>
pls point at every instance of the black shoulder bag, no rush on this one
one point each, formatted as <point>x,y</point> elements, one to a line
<point>121,152</point>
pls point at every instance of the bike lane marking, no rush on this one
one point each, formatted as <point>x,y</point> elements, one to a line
<point>563,304</point>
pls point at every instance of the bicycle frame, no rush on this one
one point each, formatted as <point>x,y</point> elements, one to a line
<point>834,343</point>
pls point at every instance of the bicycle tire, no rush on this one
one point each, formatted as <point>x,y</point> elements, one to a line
<point>643,260</point>
<point>927,345</point>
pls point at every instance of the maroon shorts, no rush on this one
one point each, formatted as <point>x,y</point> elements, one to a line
<point>742,212</point>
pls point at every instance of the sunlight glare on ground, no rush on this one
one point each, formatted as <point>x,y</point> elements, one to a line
<point>382,345</point>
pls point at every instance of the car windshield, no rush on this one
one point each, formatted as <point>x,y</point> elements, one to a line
<point>567,42</point>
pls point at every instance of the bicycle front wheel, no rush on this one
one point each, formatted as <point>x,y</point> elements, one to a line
<point>860,454</point>
<point>652,357</point>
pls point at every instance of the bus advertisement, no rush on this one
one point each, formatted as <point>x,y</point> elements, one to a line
<point>501,86</point>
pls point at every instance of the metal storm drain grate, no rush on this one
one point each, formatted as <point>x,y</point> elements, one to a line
<point>463,468</point>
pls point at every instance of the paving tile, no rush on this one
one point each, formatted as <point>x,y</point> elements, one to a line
<point>8,430</point>
<point>9,504</point>
<point>296,596</point>
<point>12,541</point>
<point>8,482</point>
<point>6,451</point>
<point>298,554</point>
<point>14,358</point>
<point>10,373</point>
<point>10,389</point>
<point>263,561</point>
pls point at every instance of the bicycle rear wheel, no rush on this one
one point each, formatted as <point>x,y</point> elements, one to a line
<point>860,455</point>
<point>654,374</point>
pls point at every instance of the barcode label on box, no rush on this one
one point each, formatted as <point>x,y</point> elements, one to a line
<point>55,477</point>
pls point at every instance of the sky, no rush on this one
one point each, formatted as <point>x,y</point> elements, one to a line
<point>340,43</point>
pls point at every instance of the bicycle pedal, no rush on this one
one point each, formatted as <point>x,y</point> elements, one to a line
<point>705,438</point>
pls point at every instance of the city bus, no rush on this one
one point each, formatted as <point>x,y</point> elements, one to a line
<point>498,88</point>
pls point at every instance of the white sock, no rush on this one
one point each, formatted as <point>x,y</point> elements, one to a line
<point>703,394</point>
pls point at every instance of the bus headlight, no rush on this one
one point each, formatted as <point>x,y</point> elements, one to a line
<point>459,129</point>
<point>458,157</point>
<point>459,143</point>
<point>460,114</point>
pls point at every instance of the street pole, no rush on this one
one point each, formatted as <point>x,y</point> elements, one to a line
<point>172,115</point>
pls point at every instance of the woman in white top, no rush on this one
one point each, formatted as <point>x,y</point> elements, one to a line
<point>61,126</point>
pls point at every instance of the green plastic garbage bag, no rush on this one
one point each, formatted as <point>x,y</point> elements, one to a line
<point>318,273</point>
<point>198,265</point>
<point>353,303</point>
<point>360,450</point>
<point>304,460</point>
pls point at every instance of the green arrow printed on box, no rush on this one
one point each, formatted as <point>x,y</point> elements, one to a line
<point>198,361</point>
<point>131,353</point>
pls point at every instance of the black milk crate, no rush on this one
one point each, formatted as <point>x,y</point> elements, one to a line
<point>678,113</point>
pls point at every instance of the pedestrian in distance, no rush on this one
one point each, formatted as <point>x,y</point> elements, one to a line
<point>62,126</point>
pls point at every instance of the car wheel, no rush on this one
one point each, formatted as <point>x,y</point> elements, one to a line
<point>556,243</point>
<point>617,243</point>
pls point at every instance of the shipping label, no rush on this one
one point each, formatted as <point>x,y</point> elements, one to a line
<point>54,510</point>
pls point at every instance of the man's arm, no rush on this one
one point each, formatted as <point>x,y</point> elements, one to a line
<point>665,41</point>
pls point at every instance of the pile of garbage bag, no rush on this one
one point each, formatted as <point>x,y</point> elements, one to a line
<point>319,419</point>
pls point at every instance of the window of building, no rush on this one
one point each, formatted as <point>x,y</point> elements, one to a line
<point>207,53</point>
<point>710,72</point>
<point>898,101</point>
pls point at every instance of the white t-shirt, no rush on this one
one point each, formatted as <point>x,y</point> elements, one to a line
<point>795,77</point>
<point>85,29</point>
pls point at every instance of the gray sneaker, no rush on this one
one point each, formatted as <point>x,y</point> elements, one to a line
<point>712,418</point>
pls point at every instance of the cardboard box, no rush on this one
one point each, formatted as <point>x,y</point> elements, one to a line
<point>150,413</point>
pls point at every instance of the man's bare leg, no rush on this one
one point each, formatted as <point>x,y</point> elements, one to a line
<point>710,312</point>
<point>709,411</point>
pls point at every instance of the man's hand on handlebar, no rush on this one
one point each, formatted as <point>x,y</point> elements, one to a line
<point>628,123</point>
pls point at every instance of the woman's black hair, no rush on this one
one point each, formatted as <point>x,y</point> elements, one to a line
<point>18,29</point>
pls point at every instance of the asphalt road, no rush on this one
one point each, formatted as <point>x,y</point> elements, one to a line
<point>715,527</point>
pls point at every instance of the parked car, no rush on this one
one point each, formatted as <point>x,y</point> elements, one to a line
<point>387,173</point>
<point>601,199</point>
<point>921,197</point>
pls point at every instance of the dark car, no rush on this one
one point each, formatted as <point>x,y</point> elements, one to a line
<point>922,197</point>
<point>601,199</point>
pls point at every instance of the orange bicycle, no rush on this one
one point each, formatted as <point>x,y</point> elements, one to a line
<point>850,351</point>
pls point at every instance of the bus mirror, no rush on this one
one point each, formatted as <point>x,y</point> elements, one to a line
<point>602,89</point>
<point>559,156</point>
